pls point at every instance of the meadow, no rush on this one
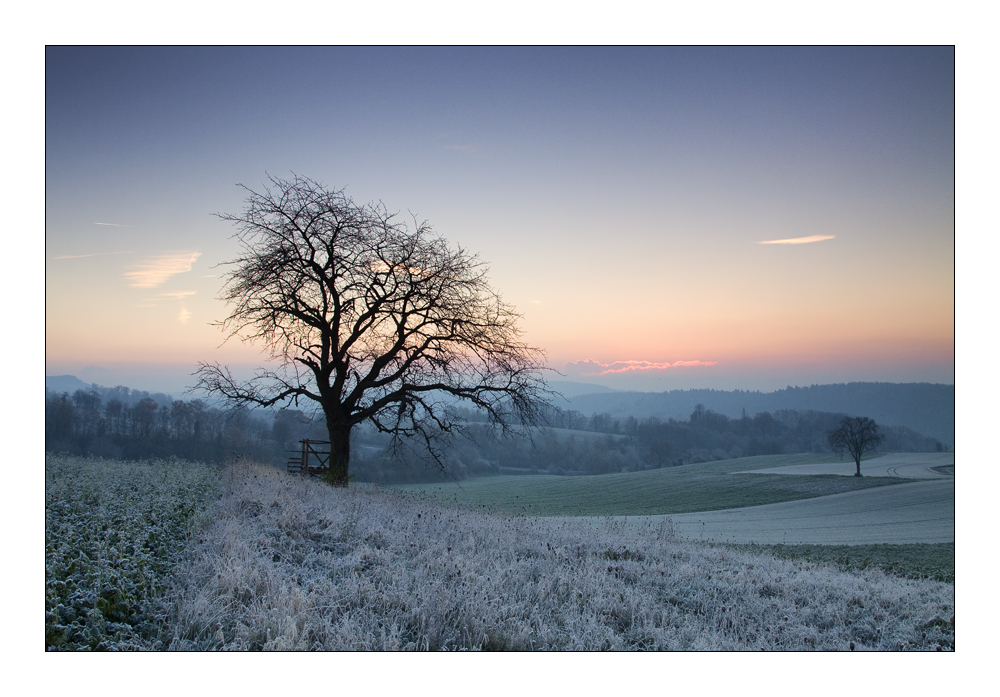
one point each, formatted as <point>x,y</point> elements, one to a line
<point>706,486</point>
<point>265,560</point>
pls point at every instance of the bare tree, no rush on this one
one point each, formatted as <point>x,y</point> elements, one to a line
<point>370,321</point>
<point>857,435</point>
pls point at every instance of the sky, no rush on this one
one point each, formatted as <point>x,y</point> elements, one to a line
<point>663,218</point>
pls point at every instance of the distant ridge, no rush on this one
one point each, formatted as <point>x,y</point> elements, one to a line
<point>64,383</point>
<point>927,408</point>
<point>68,384</point>
<point>570,389</point>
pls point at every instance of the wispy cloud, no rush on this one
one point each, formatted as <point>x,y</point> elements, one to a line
<point>184,315</point>
<point>112,224</point>
<point>156,270</point>
<point>82,256</point>
<point>592,367</point>
<point>799,240</point>
<point>179,294</point>
<point>463,148</point>
<point>536,302</point>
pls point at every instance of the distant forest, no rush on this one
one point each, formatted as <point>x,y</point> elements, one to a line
<point>925,407</point>
<point>122,423</point>
<point>574,444</point>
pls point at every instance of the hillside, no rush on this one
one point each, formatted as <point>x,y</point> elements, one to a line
<point>923,407</point>
<point>569,390</point>
<point>708,486</point>
<point>64,383</point>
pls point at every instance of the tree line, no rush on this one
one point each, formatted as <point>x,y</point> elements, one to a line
<point>574,444</point>
<point>122,423</point>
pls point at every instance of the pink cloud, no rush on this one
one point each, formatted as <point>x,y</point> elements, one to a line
<point>799,240</point>
<point>156,270</point>
<point>592,367</point>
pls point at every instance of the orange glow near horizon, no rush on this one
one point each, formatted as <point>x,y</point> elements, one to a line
<point>653,219</point>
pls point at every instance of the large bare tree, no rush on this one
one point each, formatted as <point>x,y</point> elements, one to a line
<point>370,320</point>
<point>857,435</point>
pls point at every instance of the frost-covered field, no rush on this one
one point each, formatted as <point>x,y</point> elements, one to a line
<point>293,564</point>
<point>113,533</point>
<point>916,512</point>
<point>907,465</point>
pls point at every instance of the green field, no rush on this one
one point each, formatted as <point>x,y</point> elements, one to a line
<point>708,486</point>
<point>933,561</point>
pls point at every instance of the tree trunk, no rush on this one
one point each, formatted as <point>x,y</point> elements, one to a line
<point>857,462</point>
<point>340,454</point>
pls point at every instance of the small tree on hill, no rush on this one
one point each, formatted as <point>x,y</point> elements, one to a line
<point>370,321</point>
<point>857,435</point>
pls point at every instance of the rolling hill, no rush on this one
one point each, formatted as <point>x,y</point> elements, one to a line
<point>926,408</point>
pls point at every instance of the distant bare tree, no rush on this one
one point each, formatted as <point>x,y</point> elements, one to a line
<point>857,435</point>
<point>369,320</point>
<point>144,417</point>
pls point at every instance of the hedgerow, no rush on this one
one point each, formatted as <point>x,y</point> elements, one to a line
<point>113,532</point>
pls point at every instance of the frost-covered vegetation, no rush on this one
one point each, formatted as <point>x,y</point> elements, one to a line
<point>920,560</point>
<point>293,564</point>
<point>113,532</point>
<point>171,554</point>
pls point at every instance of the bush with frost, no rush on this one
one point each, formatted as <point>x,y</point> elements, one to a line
<point>113,532</point>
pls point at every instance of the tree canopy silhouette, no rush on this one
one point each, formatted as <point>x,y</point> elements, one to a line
<point>370,320</point>
<point>857,435</point>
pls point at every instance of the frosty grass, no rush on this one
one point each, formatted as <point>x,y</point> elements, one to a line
<point>288,563</point>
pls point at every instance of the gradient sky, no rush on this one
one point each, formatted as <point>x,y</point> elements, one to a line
<point>620,196</point>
